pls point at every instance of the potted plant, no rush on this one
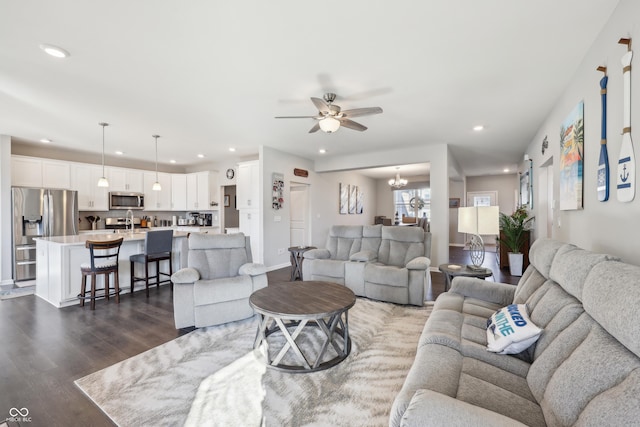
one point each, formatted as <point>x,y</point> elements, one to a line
<point>513,227</point>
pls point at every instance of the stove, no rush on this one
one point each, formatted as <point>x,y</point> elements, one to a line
<point>120,223</point>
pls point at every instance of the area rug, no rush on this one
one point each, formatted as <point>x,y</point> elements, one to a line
<point>213,377</point>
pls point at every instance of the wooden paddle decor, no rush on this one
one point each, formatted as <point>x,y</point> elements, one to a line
<point>626,177</point>
<point>603,162</point>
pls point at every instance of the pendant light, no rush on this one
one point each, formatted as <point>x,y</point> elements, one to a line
<point>398,182</point>
<point>156,185</point>
<point>103,182</point>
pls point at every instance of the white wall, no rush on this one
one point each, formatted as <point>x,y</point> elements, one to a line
<point>439,156</point>
<point>611,226</point>
<point>456,190</point>
<point>6,215</point>
<point>323,196</point>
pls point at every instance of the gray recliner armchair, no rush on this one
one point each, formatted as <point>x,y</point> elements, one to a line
<point>219,278</point>
<point>400,273</point>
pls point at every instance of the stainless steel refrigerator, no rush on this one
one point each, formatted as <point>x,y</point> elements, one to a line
<point>39,212</point>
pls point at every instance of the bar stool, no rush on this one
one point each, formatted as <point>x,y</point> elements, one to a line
<point>103,260</point>
<point>157,247</point>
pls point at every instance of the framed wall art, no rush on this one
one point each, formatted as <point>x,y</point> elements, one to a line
<point>353,191</point>
<point>277,196</point>
<point>571,159</point>
<point>343,199</point>
<point>359,201</point>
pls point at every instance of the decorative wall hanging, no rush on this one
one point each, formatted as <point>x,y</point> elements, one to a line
<point>603,161</point>
<point>359,201</point>
<point>353,190</point>
<point>344,198</point>
<point>277,199</point>
<point>301,172</point>
<point>545,144</point>
<point>454,203</point>
<point>571,159</point>
<point>626,176</point>
<point>227,201</point>
<point>525,195</point>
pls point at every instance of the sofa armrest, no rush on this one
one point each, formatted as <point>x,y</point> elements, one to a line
<point>499,293</point>
<point>185,275</point>
<point>317,254</point>
<point>364,256</point>
<point>430,408</point>
<point>419,263</point>
<point>252,269</point>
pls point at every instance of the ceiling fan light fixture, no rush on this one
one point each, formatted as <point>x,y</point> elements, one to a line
<point>329,124</point>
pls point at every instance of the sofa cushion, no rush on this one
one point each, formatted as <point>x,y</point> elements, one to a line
<point>542,253</point>
<point>328,268</point>
<point>344,241</point>
<point>510,331</point>
<point>217,263</point>
<point>572,265</point>
<point>606,295</point>
<point>220,290</point>
<point>386,274</point>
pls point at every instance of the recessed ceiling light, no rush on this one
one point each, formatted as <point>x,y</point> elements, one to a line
<point>55,51</point>
<point>232,149</point>
<point>505,170</point>
<point>172,161</point>
<point>478,128</point>
<point>119,153</point>
<point>201,156</point>
<point>45,140</point>
<point>322,151</point>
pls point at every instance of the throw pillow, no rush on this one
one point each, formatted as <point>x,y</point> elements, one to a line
<point>510,331</point>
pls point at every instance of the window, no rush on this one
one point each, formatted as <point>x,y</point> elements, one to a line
<point>413,202</point>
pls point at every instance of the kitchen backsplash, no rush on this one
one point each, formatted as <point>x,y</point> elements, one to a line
<point>86,217</point>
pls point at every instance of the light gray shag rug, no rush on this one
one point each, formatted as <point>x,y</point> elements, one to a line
<point>213,377</point>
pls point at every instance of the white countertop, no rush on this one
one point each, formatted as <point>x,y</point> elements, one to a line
<point>80,239</point>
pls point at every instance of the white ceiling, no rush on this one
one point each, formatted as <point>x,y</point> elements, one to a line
<point>209,75</point>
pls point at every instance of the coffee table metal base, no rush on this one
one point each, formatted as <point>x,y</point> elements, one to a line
<point>336,334</point>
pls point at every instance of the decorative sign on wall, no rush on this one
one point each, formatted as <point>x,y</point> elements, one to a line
<point>277,191</point>
<point>301,172</point>
<point>571,159</point>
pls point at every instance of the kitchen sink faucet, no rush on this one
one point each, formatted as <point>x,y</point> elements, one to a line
<point>129,219</point>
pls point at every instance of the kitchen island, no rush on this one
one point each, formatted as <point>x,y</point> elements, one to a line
<point>58,259</point>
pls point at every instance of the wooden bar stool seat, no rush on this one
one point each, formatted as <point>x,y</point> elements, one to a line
<point>157,247</point>
<point>103,260</point>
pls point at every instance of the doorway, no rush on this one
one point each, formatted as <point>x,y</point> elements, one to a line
<point>299,214</point>
<point>230,215</point>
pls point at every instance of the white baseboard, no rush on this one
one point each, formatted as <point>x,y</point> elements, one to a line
<point>278,266</point>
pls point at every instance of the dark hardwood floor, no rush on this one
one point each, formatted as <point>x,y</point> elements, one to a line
<point>44,349</point>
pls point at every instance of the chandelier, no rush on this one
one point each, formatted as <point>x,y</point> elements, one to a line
<point>397,182</point>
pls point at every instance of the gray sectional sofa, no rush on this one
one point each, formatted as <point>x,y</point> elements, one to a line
<point>584,369</point>
<point>386,263</point>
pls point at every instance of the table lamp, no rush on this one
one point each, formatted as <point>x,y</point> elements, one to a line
<point>478,220</point>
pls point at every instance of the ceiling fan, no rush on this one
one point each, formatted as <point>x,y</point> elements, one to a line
<point>330,117</point>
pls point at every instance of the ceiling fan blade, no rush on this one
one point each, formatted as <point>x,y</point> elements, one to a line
<point>320,105</point>
<point>296,117</point>
<point>315,128</point>
<point>352,125</point>
<point>356,112</point>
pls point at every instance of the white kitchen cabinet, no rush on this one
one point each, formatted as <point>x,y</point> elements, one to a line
<point>56,174</point>
<point>250,226</point>
<point>40,173</point>
<point>248,185</point>
<point>157,200</point>
<point>199,191</point>
<point>178,192</point>
<point>123,179</point>
<point>84,179</point>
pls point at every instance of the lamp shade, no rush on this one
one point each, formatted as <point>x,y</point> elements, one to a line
<point>479,220</point>
<point>329,124</point>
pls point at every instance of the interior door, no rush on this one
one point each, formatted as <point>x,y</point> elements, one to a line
<point>299,214</point>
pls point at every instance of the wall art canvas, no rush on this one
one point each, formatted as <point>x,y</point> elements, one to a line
<point>344,198</point>
<point>277,197</point>
<point>572,160</point>
<point>359,201</point>
<point>353,190</point>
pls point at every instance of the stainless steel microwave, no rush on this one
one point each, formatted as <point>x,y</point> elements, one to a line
<point>120,200</point>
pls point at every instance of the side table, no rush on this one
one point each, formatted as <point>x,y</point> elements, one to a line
<point>452,270</point>
<point>296,260</point>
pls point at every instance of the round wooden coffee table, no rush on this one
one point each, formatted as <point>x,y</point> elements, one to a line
<point>300,305</point>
